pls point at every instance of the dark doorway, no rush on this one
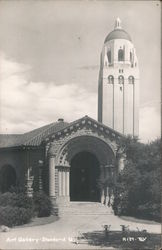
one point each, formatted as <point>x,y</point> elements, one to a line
<point>7,178</point>
<point>84,173</point>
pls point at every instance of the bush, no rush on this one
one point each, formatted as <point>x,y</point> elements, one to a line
<point>42,204</point>
<point>17,189</point>
<point>13,216</point>
<point>16,200</point>
<point>7,199</point>
<point>149,211</point>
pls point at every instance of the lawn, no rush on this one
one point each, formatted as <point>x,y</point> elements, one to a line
<point>37,221</point>
<point>133,240</point>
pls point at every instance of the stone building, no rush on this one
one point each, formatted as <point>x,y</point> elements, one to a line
<point>66,160</point>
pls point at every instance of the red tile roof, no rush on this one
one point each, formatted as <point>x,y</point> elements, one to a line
<point>34,137</point>
<point>37,136</point>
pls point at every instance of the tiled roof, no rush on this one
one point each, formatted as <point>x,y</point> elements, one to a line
<point>34,137</point>
<point>9,140</point>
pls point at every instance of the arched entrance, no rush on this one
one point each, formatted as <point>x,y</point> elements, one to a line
<point>7,178</point>
<point>84,173</point>
<point>76,165</point>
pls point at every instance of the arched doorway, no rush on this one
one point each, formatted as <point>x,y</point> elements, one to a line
<point>7,178</point>
<point>84,173</point>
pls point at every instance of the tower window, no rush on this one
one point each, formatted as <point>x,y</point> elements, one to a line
<point>120,55</point>
<point>109,56</point>
<point>131,80</point>
<point>121,80</point>
<point>110,79</point>
<point>131,57</point>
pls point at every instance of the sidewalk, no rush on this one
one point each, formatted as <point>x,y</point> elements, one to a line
<point>61,234</point>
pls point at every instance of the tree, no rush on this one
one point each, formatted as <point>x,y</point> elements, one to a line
<point>137,188</point>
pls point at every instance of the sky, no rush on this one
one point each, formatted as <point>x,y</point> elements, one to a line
<point>49,60</point>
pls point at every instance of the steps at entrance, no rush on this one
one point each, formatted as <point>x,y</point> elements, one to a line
<point>84,208</point>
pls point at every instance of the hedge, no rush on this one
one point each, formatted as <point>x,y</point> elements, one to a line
<point>42,204</point>
<point>13,216</point>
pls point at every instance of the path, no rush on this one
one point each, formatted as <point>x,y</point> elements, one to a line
<point>58,235</point>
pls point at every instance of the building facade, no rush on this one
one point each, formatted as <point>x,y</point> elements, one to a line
<point>64,160</point>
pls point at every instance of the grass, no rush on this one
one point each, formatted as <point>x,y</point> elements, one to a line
<point>138,220</point>
<point>122,240</point>
<point>38,221</point>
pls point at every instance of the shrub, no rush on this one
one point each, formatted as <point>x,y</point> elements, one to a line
<point>13,216</point>
<point>16,200</point>
<point>149,211</point>
<point>17,189</point>
<point>42,204</point>
<point>22,200</point>
<point>7,199</point>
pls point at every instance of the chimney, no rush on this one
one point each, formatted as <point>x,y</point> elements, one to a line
<point>60,120</point>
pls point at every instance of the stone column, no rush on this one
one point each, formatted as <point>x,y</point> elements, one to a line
<point>121,163</point>
<point>107,188</point>
<point>63,175</point>
<point>40,175</point>
<point>67,182</point>
<point>60,182</point>
<point>29,183</point>
<point>102,175</point>
<point>63,182</point>
<point>102,196</point>
<point>52,176</point>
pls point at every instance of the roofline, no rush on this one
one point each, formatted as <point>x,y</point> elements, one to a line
<point>86,117</point>
<point>21,147</point>
<point>130,39</point>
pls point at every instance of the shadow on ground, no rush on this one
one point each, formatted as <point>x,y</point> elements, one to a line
<point>116,239</point>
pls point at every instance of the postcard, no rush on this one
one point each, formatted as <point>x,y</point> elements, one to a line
<point>80,126</point>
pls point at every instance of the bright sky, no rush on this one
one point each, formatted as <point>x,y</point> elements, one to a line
<point>49,60</point>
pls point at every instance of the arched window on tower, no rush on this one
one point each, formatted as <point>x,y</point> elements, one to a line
<point>110,79</point>
<point>109,56</point>
<point>131,57</point>
<point>121,79</point>
<point>120,55</point>
<point>131,80</point>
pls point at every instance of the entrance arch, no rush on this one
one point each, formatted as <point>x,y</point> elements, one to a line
<point>90,143</point>
<point>63,162</point>
<point>84,173</point>
<point>7,178</point>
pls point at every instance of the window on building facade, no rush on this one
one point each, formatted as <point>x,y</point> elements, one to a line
<point>131,57</point>
<point>120,55</point>
<point>131,80</point>
<point>121,79</point>
<point>109,56</point>
<point>110,79</point>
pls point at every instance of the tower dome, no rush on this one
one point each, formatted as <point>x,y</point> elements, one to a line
<point>117,33</point>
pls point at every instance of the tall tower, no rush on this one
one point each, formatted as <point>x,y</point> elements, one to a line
<point>118,87</point>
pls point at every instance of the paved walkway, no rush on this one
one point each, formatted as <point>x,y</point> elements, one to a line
<point>62,233</point>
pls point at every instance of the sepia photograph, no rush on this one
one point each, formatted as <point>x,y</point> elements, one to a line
<point>80,124</point>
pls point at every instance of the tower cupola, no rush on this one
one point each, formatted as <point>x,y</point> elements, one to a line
<point>117,23</point>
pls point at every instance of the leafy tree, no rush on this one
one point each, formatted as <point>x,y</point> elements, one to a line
<point>137,188</point>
